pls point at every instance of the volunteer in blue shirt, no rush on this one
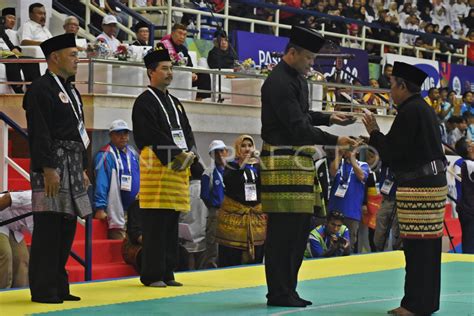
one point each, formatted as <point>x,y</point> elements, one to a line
<point>348,189</point>
<point>117,175</point>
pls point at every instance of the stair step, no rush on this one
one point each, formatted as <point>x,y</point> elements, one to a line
<point>101,271</point>
<point>103,250</point>
<point>99,230</point>
<point>18,184</point>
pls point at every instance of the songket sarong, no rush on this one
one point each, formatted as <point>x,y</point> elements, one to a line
<point>421,211</point>
<point>241,226</point>
<point>288,179</point>
<point>72,198</point>
<point>160,186</point>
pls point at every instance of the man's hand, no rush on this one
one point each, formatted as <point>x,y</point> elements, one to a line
<point>183,161</point>
<point>194,77</point>
<point>342,119</point>
<point>51,182</point>
<point>16,52</point>
<point>370,122</point>
<point>87,181</point>
<point>346,142</point>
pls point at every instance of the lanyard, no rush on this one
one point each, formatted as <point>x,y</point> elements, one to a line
<point>118,158</point>
<point>252,174</point>
<point>163,108</point>
<point>78,116</point>
<point>341,170</point>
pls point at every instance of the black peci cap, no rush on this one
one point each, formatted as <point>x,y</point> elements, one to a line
<point>57,43</point>
<point>139,25</point>
<point>8,11</point>
<point>409,73</point>
<point>306,38</point>
<point>160,53</point>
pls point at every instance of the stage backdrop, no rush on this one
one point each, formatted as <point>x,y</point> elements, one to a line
<point>459,78</point>
<point>260,47</point>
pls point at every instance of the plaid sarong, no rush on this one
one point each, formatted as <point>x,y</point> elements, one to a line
<point>72,198</point>
<point>421,211</point>
<point>288,179</point>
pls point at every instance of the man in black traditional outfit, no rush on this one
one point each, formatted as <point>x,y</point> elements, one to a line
<point>166,142</point>
<point>413,151</point>
<point>58,142</point>
<point>288,171</point>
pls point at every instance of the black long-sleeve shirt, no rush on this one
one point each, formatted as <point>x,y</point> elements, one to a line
<point>414,138</point>
<point>218,58</point>
<point>49,119</point>
<point>286,118</point>
<point>151,128</point>
<point>234,181</point>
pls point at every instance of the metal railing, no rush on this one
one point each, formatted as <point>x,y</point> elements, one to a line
<point>5,161</point>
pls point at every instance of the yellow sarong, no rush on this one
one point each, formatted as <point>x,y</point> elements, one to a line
<point>160,186</point>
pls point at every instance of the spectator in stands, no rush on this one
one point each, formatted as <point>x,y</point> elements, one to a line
<point>117,174</point>
<point>433,99</point>
<point>368,9</point>
<point>465,204</point>
<point>428,41</point>
<point>14,256</point>
<point>354,11</point>
<point>212,193</point>
<point>405,12</point>
<point>384,79</point>
<point>447,103</point>
<point>9,41</point>
<point>241,224</point>
<point>393,12</point>
<point>468,102</point>
<point>388,33</point>
<point>192,252</point>
<point>109,31</point>
<point>164,136</point>
<point>378,99</point>
<point>347,192</point>
<point>221,56</point>
<point>34,31</point>
<point>470,125</point>
<point>133,242</point>
<point>411,23</point>
<point>329,240</point>
<point>143,34</point>
<point>460,128</point>
<point>439,15</point>
<point>174,43</point>
<point>71,25</point>
<point>289,18</point>
<point>58,143</point>
<point>353,30</point>
<point>470,49</point>
<point>335,26</point>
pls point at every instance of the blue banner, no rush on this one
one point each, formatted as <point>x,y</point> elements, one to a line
<point>459,78</point>
<point>259,47</point>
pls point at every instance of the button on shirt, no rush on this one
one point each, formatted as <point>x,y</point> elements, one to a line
<point>33,31</point>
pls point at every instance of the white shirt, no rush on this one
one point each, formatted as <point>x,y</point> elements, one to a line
<point>34,32</point>
<point>112,42</point>
<point>21,204</point>
<point>13,36</point>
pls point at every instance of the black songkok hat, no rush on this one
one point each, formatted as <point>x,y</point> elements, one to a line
<point>8,11</point>
<point>409,73</point>
<point>306,38</point>
<point>220,33</point>
<point>57,43</point>
<point>160,53</point>
<point>139,25</point>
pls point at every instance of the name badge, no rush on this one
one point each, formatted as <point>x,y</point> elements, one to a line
<point>126,183</point>
<point>387,187</point>
<point>179,139</point>
<point>250,192</point>
<point>341,190</point>
<point>83,133</point>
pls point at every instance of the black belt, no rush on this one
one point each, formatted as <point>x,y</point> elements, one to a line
<point>429,169</point>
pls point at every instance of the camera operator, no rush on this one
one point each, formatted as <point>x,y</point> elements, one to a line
<point>330,239</point>
<point>9,42</point>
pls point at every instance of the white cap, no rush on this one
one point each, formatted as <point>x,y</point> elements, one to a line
<point>119,125</point>
<point>216,144</point>
<point>109,19</point>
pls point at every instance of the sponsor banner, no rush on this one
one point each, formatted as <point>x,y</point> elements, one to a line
<point>260,47</point>
<point>459,78</point>
<point>430,67</point>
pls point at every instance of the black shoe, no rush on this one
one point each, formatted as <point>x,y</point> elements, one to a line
<point>297,297</point>
<point>70,297</point>
<point>47,300</point>
<point>173,283</point>
<point>286,302</point>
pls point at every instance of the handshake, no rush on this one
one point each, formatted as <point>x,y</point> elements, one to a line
<point>183,160</point>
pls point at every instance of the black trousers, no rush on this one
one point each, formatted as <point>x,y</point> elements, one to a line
<point>423,275</point>
<point>229,256</point>
<point>160,245</point>
<point>287,235</point>
<point>30,73</point>
<point>51,244</point>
